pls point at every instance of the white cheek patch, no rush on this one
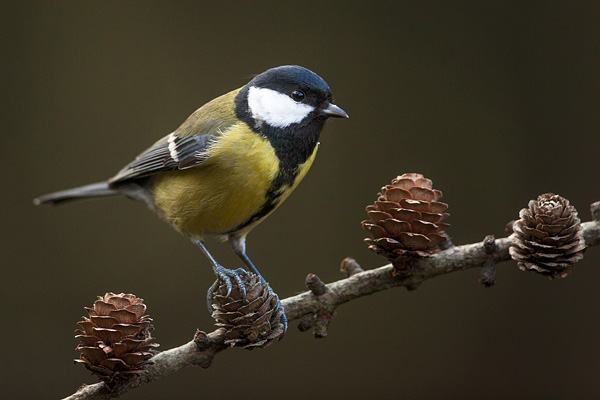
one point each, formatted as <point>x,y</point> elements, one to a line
<point>276,109</point>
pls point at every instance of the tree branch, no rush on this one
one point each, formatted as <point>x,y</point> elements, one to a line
<point>315,307</point>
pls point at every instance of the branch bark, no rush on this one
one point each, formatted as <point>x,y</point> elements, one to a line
<point>314,308</point>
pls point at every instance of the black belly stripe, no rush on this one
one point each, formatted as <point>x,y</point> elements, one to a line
<point>271,199</point>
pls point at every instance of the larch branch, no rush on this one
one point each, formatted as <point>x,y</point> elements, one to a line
<point>314,308</point>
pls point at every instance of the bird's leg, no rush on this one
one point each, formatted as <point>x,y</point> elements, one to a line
<point>239,247</point>
<point>222,273</point>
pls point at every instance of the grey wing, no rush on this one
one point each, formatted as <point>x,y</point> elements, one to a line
<point>170,153</point>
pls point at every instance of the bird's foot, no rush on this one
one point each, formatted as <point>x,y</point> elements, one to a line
<point>278,306</point>
<point>226,275</point>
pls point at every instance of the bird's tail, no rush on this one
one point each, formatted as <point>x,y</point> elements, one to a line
<point>100,189</point>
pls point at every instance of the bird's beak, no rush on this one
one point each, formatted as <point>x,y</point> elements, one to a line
<point>334,111</point>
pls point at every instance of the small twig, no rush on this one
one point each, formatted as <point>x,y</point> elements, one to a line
<point>322,322</point>
<point>489,244</point>
<point>307,322</point>
<point>488,274</point>
<point>595,209</point>
<point>488,270</point>
<point>320,319</point>
<point>315,285</point>
<point>591,230</point>
<point>350,267</point>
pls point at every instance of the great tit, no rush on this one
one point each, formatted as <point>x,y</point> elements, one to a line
<point>230,164</point>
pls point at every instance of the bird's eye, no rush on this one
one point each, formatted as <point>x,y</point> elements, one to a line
<point>297,95</point>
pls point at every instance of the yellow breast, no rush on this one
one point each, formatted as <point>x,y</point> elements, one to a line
<point>222,193</point>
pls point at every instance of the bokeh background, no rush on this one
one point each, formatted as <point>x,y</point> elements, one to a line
<point>497,102</point>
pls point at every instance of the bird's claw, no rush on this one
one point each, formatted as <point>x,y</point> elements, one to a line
<point>210,294</point>
<point>279,306</point>
<point>226,275</point>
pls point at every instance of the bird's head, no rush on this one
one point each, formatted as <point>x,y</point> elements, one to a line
<point>286,96</point>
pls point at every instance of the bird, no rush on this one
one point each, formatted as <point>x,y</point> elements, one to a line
<point>229,165</point>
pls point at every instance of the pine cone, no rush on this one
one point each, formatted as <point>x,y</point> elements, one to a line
<point>405,220</point>
<point>116,338</point>
<point>548,237</point>
<point>254,321</point>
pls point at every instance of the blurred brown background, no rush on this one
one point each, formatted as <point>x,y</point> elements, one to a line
<point>496,103</point>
